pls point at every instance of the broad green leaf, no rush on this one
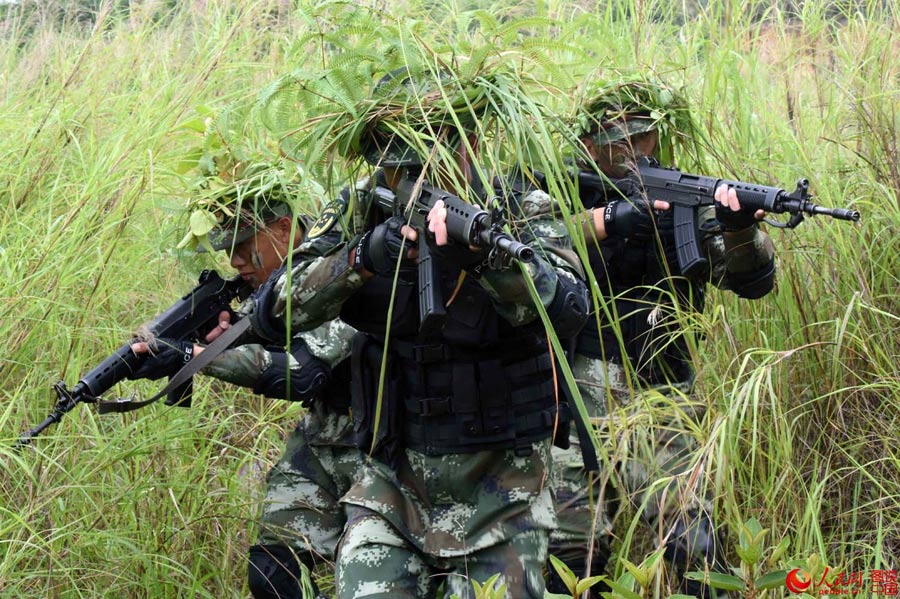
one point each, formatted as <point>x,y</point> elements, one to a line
<point>622,590</point>
<point>725,582</point>
<point>639,573</point>
<point>565,573</point>
<point>772,580</point>
<point>188,241</point>
<point>198,125</point>
<point>586,583</point>
<point>779,551</point>
<point>189,161</point>
<point>204,111</point>
<point>202,222</point>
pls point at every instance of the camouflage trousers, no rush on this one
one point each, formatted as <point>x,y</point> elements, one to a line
<point>318,466</point>
<point>651,454</point>
<point>447,520</point>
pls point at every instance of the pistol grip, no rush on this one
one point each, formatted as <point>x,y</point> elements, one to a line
<point>181,396</point>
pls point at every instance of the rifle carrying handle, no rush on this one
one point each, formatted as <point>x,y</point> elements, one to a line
<point>691,261</point>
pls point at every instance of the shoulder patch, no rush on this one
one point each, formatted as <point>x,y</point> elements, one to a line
<point>326,220</point>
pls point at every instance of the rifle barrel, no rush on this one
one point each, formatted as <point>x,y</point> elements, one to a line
<point>838,213</point>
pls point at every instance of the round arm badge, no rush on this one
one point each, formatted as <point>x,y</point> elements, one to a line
<point>326,220</point>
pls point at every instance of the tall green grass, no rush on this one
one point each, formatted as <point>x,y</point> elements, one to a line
<point>804,385</point>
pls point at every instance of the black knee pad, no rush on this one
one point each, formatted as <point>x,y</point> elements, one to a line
<point>694,545</point>
<point>274,572</point>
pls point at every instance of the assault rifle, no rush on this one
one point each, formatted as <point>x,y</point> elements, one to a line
<point>467,225</point>
<point>686,192</point>
<point>189,319</point>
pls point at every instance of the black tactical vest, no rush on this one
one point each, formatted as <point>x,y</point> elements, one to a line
<point>640,281</point>
<point>479,383</point>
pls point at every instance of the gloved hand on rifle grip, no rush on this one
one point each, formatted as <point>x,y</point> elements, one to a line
<point>378,250</point>
<point>165,358</point>
<point>300,382</point>
<point>729,212</point>
<point>444,247</point>
<point>630,218</point>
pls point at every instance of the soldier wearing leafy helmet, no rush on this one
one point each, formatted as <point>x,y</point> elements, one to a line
<point>634,353</point>
<point>250,209</point>
<point>458,420</point>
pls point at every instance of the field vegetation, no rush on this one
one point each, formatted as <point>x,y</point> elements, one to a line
<point>97,102</point>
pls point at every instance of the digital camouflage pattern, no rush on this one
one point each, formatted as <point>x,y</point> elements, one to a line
<point>452,511</point>
<point>653,467</point>
<point>321,278</point>
<point>472,515</point>
<point>244,364</point>
<point>320,459</point>
<point>319,464</point>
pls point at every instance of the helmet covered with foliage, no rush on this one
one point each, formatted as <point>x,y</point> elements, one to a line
<point>410,111</point>
<point>230,206</point>
<point>617,110</point>
<point>259,194</point>
<point>236,184</point>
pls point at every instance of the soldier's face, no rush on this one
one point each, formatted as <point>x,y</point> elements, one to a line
<point>618,159</point>
<point>257,257</point>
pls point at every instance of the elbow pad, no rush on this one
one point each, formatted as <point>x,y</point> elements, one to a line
<point>569,309</point>
<point>755,284</point>
<point>278,381</point>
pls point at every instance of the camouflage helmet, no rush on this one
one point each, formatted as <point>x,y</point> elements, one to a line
<point>618,110</point>
<point>254,196</point>
<point>409,111</point>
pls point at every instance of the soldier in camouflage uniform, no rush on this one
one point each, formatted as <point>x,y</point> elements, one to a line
<point>457,487</point>
<point>301,520</point>
<point>638,358</point>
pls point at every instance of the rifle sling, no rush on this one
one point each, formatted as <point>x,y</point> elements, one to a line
<point>219,344</point>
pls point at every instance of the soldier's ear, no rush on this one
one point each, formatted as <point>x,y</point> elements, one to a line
<point>590,147</point>
<point>283,228</point>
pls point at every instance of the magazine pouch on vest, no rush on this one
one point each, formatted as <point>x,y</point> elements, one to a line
<point>464,402</point>
<point>378,433</point>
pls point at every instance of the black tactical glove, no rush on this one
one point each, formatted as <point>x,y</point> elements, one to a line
<point>456,254</point>
<point>302,384</point>
<point>166,357</point>
<point>378,250</point>
<point>263,324</point>
<point>734,220</point>
<point>630,218</point>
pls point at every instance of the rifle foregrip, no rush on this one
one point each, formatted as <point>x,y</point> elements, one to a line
<point>690,261</point>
